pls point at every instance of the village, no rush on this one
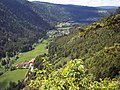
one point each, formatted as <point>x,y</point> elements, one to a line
<point>62,29</point>
<point>26,65</point>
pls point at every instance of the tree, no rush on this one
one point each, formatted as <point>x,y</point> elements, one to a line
<point>3,63</point>
<point>118,10</point>
<point>12,68</point>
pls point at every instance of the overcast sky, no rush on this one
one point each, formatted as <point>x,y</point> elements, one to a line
<point>85,2</point>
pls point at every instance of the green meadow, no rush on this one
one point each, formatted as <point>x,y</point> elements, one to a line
<point>27,56</point>
<point>13,76</point>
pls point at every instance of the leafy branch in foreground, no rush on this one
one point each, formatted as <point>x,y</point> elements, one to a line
<point>71,77</point>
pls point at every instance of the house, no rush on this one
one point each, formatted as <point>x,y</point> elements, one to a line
<point>28,64</point>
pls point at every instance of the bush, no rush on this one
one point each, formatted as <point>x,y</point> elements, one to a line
<point>12,68</point>
<point>71,77</point>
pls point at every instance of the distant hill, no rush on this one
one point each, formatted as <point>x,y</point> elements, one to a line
<point>108,7</point>
<point>58,12</point>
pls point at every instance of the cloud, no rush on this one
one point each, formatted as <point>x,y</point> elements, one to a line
<point>85,2</point>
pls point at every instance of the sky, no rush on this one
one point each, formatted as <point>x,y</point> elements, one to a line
<point>85,2</point>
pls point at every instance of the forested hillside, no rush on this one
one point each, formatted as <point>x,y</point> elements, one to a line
<point>57,12</point>
<point>20,27</point>
<point>98,45</point>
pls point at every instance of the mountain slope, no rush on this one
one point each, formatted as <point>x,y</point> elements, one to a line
<point>23,12</point>
<point>98,45</point>
<point>20,27</point>
<point>75,13</point>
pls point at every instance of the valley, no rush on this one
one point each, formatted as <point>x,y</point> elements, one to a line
<point>46,46</point>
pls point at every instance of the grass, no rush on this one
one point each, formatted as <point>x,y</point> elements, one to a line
<point>66,28</point>
<point>19,74</point>
<point>13,76</point>
<point>1,69</point>
<point>27,56</point>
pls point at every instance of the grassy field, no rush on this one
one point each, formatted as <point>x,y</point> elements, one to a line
<point>27,56</point>
<point>1,69</point>
<point>13,76</point>
<point>16,75</point>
